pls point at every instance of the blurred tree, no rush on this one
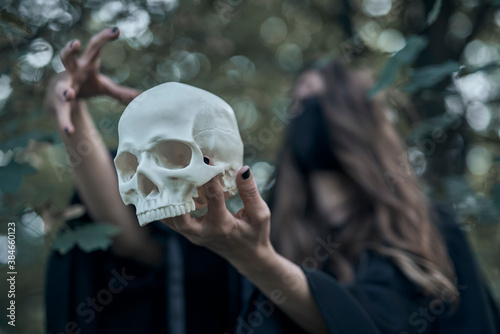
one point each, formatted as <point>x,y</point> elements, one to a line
<point>443,54</point>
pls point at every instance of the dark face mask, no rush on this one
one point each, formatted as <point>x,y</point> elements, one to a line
<point>310,140</point>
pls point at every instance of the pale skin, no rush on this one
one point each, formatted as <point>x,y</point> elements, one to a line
<point>242,239</point>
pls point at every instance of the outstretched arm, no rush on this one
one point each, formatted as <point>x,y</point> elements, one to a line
<point>243,239</point>
<point>93,168</point>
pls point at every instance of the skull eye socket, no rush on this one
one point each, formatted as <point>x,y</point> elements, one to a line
<point>172,154</point>
<point>126,163</point>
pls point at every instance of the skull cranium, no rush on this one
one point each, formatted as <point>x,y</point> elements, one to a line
<point>164,134</point>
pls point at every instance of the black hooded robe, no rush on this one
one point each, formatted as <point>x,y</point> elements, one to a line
<point>197,291</point>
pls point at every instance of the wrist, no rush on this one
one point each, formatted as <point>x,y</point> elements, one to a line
<point>259,263</point>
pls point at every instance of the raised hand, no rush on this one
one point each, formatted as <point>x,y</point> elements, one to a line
<point>82,79</point>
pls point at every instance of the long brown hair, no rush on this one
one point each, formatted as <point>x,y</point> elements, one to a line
<point>387,215</point>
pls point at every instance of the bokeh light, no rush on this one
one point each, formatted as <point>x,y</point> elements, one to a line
<point>262,173</point>
<point>475,86</point>
<point>460,26</point>
<point>273,30</point>
<point>248,52</point>
<point>391,40</point>
<point>33,225</point>
<point>5,87</point>
<point>376,7</point>
<point>417,160</point>
<point>478,160</point>
<point>478,116</point>
<point>40,53</point>
<point>289,57</point>
<point>246,113</point>
<point>4,248</point>
<point>478,53</point>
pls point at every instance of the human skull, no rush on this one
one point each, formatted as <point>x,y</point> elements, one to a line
<point>163,135</point>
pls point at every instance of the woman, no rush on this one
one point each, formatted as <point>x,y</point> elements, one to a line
<point>367,264</point>
<point>406,263</point>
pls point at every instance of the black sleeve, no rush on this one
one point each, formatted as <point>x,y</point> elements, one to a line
<point>477,312</point>
<point>380,300</point>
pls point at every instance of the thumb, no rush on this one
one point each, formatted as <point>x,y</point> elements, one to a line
<point>255,207</point>
<point>65,95</point>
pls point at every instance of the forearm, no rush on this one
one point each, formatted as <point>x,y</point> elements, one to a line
<point>93,168</point>
<point>286,285</point>
<point>97,185</point>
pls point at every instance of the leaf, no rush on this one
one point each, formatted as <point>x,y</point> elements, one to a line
<point>386,77</point>
<point>428,76</point>
<point>96,236</point>
<point>434,13</point>
<point>425,127</point>
<point>414,45</point>
<point>23,140</point>
<point>488,67</point>
<point>405,57</point>
<point>495,193</point>
<point>64,242</point>
<point>89,238</point>
<point>11,176</point>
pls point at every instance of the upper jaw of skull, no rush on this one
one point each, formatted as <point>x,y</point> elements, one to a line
<point>165,180</point>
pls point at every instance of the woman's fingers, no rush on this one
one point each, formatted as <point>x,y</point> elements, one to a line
<point>64,95</point>
<point>69,53</point>
<point>184,224</point>
<point>215,198</point>
<point>98,41</point>
<point>121,93</point>
<point>255,207</point>
<point>68,94</point>
<point>64,119</point>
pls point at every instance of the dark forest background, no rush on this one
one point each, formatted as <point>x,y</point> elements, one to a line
<point>437,64</point>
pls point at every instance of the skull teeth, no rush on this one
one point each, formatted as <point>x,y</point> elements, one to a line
<point>165,212</point>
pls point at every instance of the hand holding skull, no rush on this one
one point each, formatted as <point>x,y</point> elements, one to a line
<point>243,238</point>
<point>166,137</point>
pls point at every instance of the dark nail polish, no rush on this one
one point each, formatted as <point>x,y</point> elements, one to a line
<point>246,174</point>
<point>65,93</point>
<point>66,131</point>
<point>206,160</point>
<point>114,29</point>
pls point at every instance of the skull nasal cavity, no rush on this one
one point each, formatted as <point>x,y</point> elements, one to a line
<point>146,186</point>
<point>172,154</point>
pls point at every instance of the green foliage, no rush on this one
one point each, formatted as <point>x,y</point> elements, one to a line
<point>425,127</point>
<point>220,46</point>
<point>403,58</point>
<point>23,139</point>
<point>11,176</point>
<point>488,67</point>
<point>428,76</point>
<point>89,238</point>
<point>434,13</point>
<point>459,194</point>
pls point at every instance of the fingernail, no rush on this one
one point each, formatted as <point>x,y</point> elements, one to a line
<point>65,93</point>
<point>114,29</point>
<point>206,160</point>
<point>246,174</point>
<point>71,45</point>
<point>66,131</point>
